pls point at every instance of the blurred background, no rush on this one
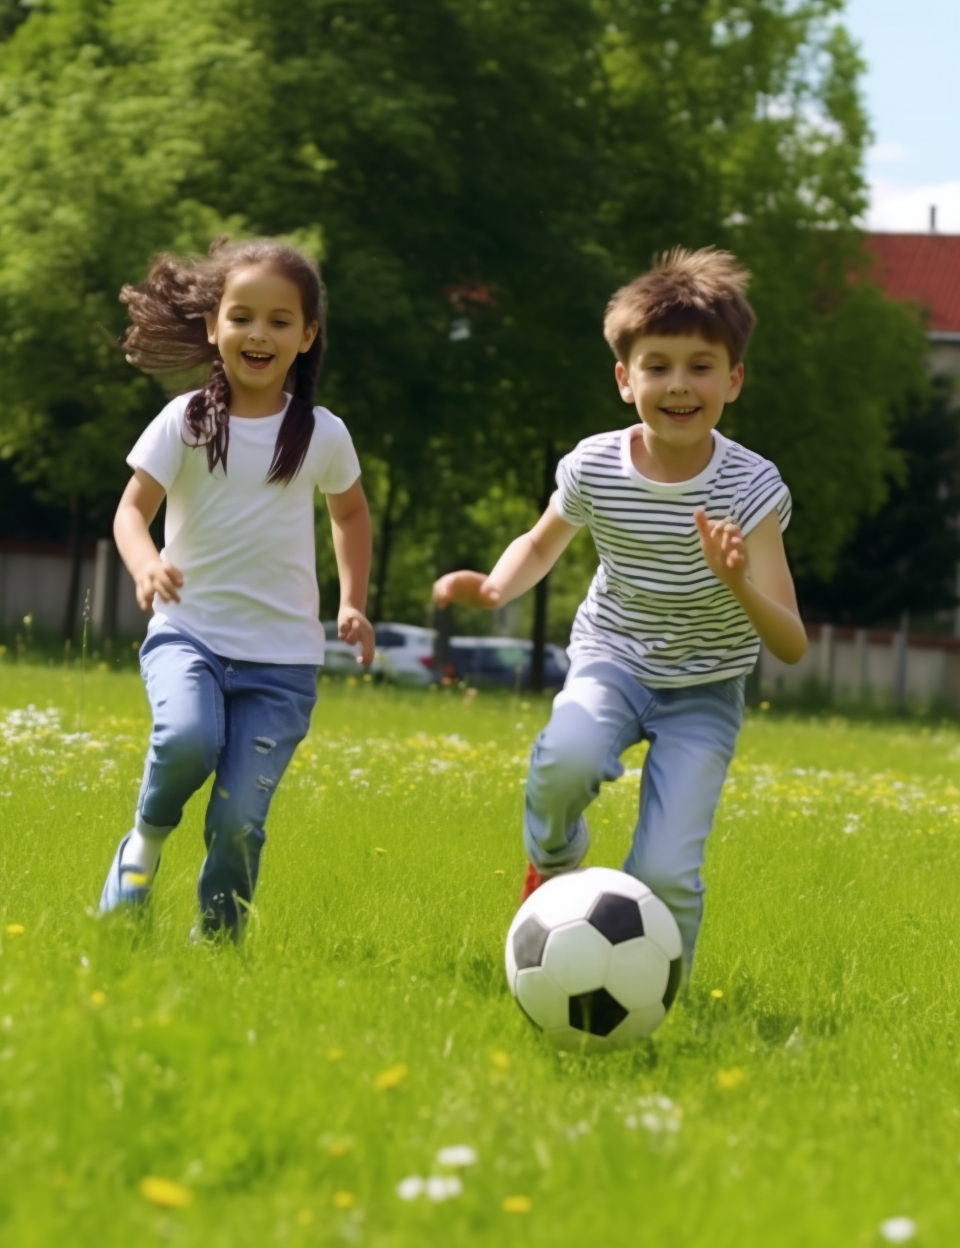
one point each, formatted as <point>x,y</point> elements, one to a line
<point>477,177</point>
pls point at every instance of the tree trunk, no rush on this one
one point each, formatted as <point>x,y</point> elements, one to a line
<point>540,593</point>
<point>387,528</point>
<point>76,566</point>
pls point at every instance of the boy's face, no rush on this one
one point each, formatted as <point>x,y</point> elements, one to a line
<point>679,385</point>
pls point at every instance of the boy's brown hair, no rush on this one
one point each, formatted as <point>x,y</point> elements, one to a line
<point>685,292</point>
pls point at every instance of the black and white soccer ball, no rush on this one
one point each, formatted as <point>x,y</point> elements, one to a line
<point>594,960</point>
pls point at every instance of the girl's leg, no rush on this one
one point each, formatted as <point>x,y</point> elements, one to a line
<point>595,718</point>
<point>268,708</point>
<point>693,733</point>
<point>183,683</point>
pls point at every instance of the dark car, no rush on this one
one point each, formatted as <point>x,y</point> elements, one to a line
<point>504,661</point>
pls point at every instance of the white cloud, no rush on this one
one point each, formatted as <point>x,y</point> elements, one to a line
<point>898,207</point>
<point>887,153</point>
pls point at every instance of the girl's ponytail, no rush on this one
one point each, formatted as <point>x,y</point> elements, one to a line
<point>293,440</point>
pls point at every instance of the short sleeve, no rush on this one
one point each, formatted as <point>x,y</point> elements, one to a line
<point>766,491</point>
<point>338,466</point>
<point>159,449</point>
<point>569,501</point>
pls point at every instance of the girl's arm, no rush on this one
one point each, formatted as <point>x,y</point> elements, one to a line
<point>526,561</point>
<point>755,569</point>
<point>353,546</point>
<point>139,505</point>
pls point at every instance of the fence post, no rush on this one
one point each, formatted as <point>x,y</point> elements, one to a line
<point>103,614</point>
<point>860,664</point>
<point>901,640</point>
<point>825,660</point>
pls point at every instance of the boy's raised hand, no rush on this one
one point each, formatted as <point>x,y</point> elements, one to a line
<point>465,589</point>
<point>722,544</point>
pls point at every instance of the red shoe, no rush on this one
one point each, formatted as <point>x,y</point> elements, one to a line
<point>531,883</point>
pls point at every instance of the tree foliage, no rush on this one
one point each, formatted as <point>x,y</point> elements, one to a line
<point>478,178</point>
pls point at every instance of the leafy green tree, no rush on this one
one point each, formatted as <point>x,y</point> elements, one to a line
<point>904,557</point>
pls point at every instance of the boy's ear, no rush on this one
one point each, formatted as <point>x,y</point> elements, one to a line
<point>736,382</point>
<point>211,320</point>
<point>623,383</point>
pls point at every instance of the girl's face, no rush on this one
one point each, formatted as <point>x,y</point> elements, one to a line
<point>259,329</point>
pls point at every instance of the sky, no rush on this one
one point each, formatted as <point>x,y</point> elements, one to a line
<point>912,50</point>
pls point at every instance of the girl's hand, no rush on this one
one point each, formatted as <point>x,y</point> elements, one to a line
<point>722,544</point>
<point>355,629</point>
<point>466,589</point>
<point>157,577</point>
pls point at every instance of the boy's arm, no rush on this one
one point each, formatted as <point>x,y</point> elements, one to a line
<point>353,546</point>
<point>526,561</point>
<point>138,506</point>
<point>754,568</point>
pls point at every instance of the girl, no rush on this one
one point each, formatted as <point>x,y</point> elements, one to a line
<point>231,654</point>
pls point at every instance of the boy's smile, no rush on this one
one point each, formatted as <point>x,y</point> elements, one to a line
<point>679,385</point>
<point>259,329</point>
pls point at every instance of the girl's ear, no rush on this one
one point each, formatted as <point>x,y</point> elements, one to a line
<point>211,320</point>
<point>309,334</point>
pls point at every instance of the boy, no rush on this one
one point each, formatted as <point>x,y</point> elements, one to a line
<point>692,577</point>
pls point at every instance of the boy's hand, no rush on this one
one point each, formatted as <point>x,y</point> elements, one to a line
<point>466,589</point>
<point>157,577</point>
<point>355,629</point>
<point>722,544</point>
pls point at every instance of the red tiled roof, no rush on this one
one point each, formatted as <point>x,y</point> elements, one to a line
<point>923,269</point>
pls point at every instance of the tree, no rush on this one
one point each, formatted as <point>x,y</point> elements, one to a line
<point>904,558</point>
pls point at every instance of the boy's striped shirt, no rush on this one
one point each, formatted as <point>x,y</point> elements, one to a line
<point>654,606</point>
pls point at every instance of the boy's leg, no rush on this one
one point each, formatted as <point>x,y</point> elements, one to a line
<point>595,718</point>
<point>693,733</point>
<point>268,708</point>
<point>182,680</point>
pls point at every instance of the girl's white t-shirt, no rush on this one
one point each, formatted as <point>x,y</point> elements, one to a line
<point>245,547</point>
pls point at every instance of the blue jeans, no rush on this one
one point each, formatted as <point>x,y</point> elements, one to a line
<point>238,719</point>
<point>601,711</point>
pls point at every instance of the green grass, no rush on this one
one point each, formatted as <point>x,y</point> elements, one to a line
<point>816,1097</point>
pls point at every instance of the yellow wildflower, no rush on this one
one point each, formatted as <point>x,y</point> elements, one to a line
<point>391,1078</point>
<point>164,1193</point>
<point>735,1077</point>
<point>716,993</point>
<point>344,1200</point>
<point>500,1059</point>
<point>98,997</point>
<point>15,929</point>
<point>517,1204</point>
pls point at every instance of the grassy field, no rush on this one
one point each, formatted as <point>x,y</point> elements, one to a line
<point>804,1091</point>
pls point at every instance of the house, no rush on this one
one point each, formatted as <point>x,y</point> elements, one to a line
<point>924,269</point>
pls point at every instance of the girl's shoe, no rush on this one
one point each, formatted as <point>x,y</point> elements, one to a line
<point>126,885</point>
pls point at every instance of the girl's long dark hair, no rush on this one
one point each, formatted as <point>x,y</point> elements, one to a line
<point>168,333</point>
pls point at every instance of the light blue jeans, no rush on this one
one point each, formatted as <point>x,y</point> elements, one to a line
<point>243,721</point>
<point>601,711</point>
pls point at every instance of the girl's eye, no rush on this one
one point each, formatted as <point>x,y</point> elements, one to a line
<point>281,324</point>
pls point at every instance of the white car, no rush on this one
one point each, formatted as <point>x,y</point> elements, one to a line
<point>404,653</point>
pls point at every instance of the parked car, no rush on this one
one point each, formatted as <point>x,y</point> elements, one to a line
<point>505,661</point>
<point>404,653</point>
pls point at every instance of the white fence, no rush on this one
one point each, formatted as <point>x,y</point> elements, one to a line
<point>853,665</point>
<point>34,583</point>
<point>860,665</point>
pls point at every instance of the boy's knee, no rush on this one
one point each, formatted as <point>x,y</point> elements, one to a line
<point>564,769</point>
<point>235,842</point>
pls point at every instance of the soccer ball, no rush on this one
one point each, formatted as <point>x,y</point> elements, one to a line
<point>594,960</point>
